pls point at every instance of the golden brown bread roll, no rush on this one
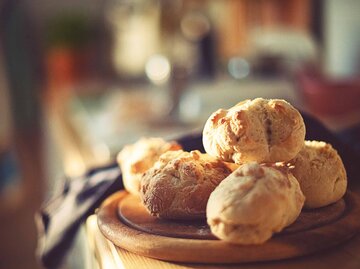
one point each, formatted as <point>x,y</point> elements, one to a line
<point>255,130</point>
<point>136,159</point>
<point>252,203</point>
<point>179,184</point>
<point>321,174</point>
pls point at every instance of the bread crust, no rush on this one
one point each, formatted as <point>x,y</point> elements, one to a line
<point>179,184</point>
<point>137,158</point>
<point>252,203</point>
<point>321,174</point>
<point>258,130</point>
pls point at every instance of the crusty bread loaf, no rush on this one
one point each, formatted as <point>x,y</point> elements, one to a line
<point>252,203</point>
<point>179,184</point>
<point>321,174</point>
<point>137,158</point>
<point>255,130</point>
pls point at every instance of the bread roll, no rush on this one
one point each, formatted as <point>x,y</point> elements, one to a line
<point>179,184</point>
<point>255,130</point>
<point>136,159</point>
<point>321,174</point>
<point>253,203</point>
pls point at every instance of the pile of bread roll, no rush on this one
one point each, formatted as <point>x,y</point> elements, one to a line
<point>257,174</point>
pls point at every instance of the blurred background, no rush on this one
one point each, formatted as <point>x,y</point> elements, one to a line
<point>81,78</point>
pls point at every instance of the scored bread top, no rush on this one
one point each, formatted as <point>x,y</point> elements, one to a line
<point>179,184</point>
<point>258,130</point>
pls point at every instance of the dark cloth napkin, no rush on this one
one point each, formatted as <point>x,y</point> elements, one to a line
<point>59,219</point>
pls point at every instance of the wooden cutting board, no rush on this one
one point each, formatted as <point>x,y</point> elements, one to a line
<point>125,222</point>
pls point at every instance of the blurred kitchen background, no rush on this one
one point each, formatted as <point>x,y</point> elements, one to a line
<point>81,78</point>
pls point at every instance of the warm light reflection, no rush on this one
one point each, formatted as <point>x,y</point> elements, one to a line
<point>136,34</point>
<point>158,69</point>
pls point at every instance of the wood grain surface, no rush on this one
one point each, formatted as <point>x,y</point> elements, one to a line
<point>132,213</point>
<point>288,245</point>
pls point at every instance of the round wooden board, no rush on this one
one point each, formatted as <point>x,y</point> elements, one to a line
<point>299,240</point>
<point>132,213</point>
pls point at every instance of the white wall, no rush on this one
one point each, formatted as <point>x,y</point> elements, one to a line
<point>342,37</point>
